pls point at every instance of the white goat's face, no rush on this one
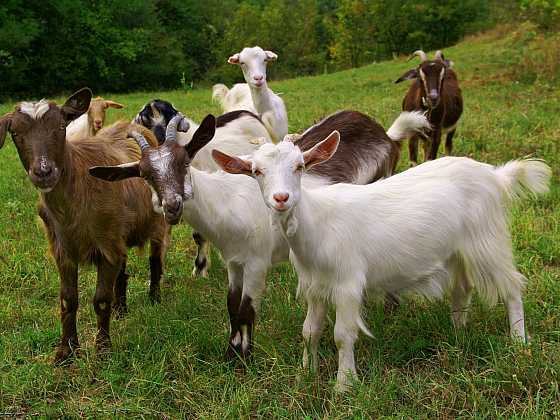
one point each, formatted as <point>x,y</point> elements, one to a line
<point>278,169</point>
<point>253,63</point>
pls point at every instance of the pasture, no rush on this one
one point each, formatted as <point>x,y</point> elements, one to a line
<point>168,359</point>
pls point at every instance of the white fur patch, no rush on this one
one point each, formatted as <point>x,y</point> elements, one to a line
<point>34,109</point>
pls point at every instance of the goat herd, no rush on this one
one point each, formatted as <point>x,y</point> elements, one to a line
<point>437,227</point>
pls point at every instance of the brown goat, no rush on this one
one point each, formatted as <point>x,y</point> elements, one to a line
<point>87,220</point>
<point>436,91</point>
<point>91,122</point>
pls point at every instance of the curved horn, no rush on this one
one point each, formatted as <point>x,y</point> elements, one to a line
<point>438,55</point>
<point>177,123</point>
<point>140,139</point>
<point>421,54</point>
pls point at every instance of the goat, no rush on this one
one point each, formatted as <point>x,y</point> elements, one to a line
<point>436,91</point>
<point>255,95</point>
<point>90,123</point>
<point>441,225</point>
<point>239,227</point>
<point>87,221</point>
<point>241,130</point>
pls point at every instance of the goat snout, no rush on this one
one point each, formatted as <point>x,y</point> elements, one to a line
<point>433,96</point>
<point>43,170</point>
<point>280,200</point>
<point>258,79</point>
<point>97,124</point>
<point>173,210</point>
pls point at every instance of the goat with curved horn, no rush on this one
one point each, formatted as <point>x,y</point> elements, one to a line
<point>140,139</point>
<point>421,54</point>
<point>177,123</point>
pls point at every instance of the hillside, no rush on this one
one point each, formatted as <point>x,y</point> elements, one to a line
<point>167,360</point>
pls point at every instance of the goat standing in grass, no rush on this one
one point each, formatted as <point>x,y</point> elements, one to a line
<point>255,95</point>
<point>436,91</point>
<point>226,209</point>
<point>439,226</point>
<point>87,221</point>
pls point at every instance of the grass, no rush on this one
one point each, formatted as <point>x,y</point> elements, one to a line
<point>168,360</point>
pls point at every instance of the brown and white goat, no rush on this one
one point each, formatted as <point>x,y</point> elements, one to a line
<point>222,206</point>
<point>91,122</point>
<point>87,220</point>
<point>436,91</point>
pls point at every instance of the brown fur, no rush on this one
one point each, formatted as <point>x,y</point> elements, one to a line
<point>88,220</point>
<point>363,142</point>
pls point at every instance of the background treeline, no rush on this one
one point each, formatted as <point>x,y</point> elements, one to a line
<point>51,46</point>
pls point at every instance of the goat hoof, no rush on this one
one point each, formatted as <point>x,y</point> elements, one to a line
<point>200,268</point>
<point>155,297</point>
<point>64,354</point>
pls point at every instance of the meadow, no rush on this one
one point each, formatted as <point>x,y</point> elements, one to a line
<point>167,360</point>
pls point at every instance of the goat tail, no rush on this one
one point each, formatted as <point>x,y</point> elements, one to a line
<point>523,177</point>
<point>407,124</point>
<point>219,93</point>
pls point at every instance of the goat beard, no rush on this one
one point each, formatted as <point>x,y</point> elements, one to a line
<point>287,222</point>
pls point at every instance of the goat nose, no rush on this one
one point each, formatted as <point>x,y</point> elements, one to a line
<point>258,77</point>
<point>42,171</point>
<point>174,206</point>
<point>281,197</point>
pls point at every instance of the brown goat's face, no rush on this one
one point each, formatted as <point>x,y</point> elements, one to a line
<point>38,130</point>
<point>166,169</point>
<point>96,113</point>
<point>431,74</point>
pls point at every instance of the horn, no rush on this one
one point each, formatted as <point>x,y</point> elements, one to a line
<point>438,55</point>
<point>419,53</point>
<point>140,139</point>
<point>177,123</point>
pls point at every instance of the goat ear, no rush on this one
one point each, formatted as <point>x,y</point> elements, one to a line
<point>77,104</point>
<point>409,75</point>
<point>322,151</point>
<point>112,104</point>
<point>202,136</point>
<point>232,164</point>
<point>5,123</point>
<point>116,173</point>
<point>234,59</point>
<point>270,56</point>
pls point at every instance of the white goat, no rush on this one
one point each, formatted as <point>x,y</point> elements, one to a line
<point>226,210</point>
<point>92,121</point>
<point>442,225</point>
<point>255,95</point>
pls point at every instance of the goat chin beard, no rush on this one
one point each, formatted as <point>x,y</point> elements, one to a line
<point>287,221</point>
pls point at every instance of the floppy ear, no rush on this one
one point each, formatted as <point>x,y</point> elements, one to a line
<point>234,59</point>
<point>5,123</point>
<point>409,75</point>
<point>270,56</point>
<point>77,104</point>
<point>116,173</point>
<point>232,164</point>
<point>322,151</point>
<point>112,104</point>
<point>202,136</point>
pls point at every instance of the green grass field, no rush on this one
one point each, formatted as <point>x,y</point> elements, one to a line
<point>168,359</point>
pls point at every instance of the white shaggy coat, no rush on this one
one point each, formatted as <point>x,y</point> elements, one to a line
<point>440,226</point>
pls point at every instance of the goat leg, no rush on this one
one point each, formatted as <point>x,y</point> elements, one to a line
<point>436,140</point>
<point>449,143</point>
<point>202,261</point>
<point>413,150</point>
<point>107,274</point>
<point>157,254</point>
<point>119,305</point>
<point>68,308</point>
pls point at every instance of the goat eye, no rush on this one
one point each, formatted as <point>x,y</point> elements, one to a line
<point>300,167</point>
<point>257,172</point>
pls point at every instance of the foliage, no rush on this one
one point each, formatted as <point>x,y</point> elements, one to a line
<point>55,46</point>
